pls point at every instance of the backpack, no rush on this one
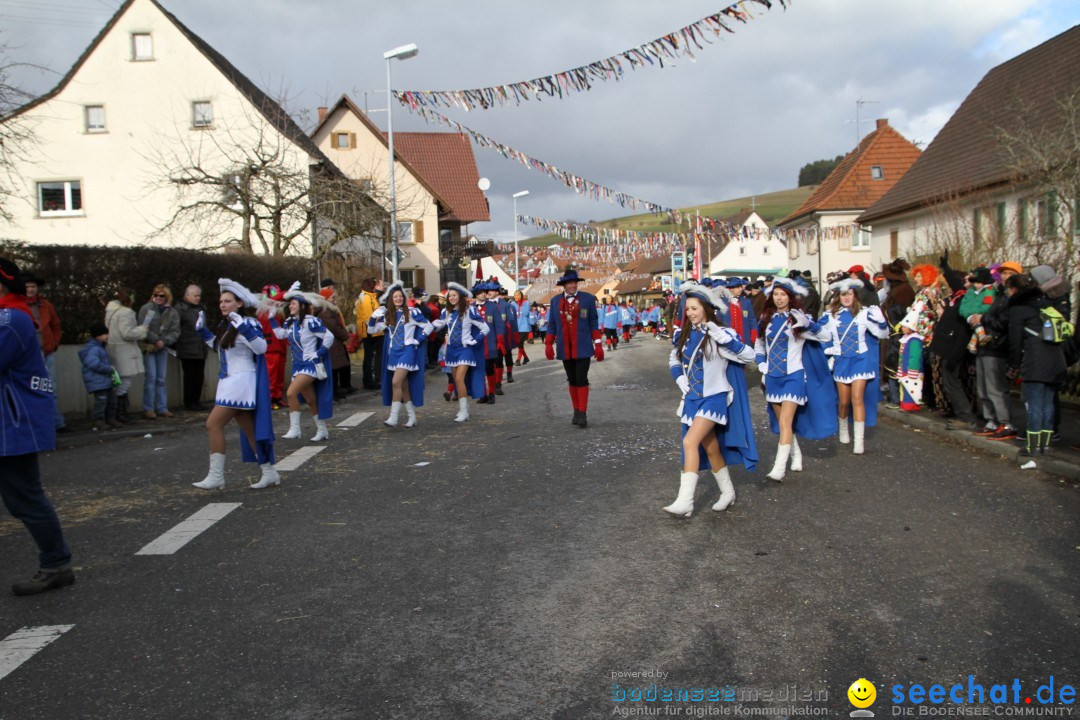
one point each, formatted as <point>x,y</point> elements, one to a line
<point>1052,284</point>
<point>1055,328</point>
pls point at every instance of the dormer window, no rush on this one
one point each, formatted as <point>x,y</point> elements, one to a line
<point>142,46</point>
<point>876,172</point>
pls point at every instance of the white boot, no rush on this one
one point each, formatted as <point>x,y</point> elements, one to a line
<point>321,433</point>
<point>727,490</point>
<point>395,413</point>
<point>269,477</point>
<point>684,503</point>
<point>411,410</point>
<point>215,479</point>
<point>294,426</point>
<point>844,437</point>
<point>796,455</point>
<point>860,434</point>
<point>463,410</point>
<point>780,466</point>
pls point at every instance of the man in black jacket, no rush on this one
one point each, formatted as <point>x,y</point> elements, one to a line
<point>190,348</point>
<point>951,335</point>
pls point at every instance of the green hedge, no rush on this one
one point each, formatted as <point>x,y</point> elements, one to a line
<point>80,280</point>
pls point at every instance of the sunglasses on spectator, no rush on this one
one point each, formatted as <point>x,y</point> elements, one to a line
<point>160,295</point>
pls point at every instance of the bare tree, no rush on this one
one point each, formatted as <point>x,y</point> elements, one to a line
<point>16,134</point>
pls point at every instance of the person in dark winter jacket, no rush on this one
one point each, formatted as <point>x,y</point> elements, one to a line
<point>1038,363</point>
<point>162,331</point>
<point>190,348</point>
<point>951,335</point>
<point>97,373</point>
<point>992,360</point>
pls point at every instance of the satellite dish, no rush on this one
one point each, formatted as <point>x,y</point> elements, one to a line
<point>484,184</point>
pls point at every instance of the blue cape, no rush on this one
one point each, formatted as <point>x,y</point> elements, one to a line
<point>872,394</point>
<point>817,418</point>
<point>415,378</point>
<point>263,452</point>
<point>475,379</point>
<point>736,438</point>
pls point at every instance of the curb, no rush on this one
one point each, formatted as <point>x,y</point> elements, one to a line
<point>1053,465</point>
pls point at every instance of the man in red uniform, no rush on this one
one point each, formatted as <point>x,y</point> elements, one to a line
<point>574,337</point>
<point>271,308</point>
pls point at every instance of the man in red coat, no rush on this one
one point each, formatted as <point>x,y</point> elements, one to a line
<point>276,348</point>
<point>574,336</point>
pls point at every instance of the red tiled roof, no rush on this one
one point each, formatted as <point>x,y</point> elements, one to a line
<point>446,162</point>
<point>965,156</point>
<point>850,186</point>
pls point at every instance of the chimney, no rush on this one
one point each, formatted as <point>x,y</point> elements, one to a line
<point>322,115</point>
<point>882,122</point>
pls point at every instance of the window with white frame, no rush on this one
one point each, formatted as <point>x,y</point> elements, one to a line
<point>202,113</point>
<point>95,118</point>
<point>877,172</point>
<point>404,232</point>
<point>861,241</point>
<point>142,46</point>
<point>59,198</point>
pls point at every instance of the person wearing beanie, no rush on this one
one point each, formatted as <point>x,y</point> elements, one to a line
<point>25,384</point>
<point>714,415</point>
<point>405,331</point>
<point>98,374</point>
<point>855,332</point>
<point>309,342</point>
<point>465,331</point>
<point>327,283</point>
<point>574,337</point>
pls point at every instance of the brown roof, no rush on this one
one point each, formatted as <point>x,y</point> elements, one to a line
<point>446,162</point>
<point>650,265</point>
<point>965,155</point>
<point>850,186</point>
<point>633,285</point>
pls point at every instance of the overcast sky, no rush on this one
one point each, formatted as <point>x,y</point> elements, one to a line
<point>740,119</point>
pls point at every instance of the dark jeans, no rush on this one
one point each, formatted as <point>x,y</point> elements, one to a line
<point>194,376</point>
<point>372,361</point>
<point>954,391</point>
<point>343,378</point>
<point>1039,403</point>
<point>104,404</point>
<point>23,496</point>
<point>577,371</point>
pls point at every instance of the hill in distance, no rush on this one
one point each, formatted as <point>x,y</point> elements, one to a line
<point>772,207</point>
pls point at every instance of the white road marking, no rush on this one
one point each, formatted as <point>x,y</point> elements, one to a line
<point>299,457</point>
<point>354,420</point>
<point>23,644</point>
<point>189,529</point>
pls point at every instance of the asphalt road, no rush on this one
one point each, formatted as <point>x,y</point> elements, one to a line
<point>527,571</point>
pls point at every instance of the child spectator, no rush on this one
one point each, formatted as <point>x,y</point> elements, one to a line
<point>909,371</point>
<point>98,377</point>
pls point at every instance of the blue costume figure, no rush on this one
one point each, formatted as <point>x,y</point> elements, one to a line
<point>465,331</point>
<point>509,316</point>
<point>243,389</point>
<point>574,337</point>
<point>404,351</point>
<point>524,313</point>
<point>309,343</point>
<point>486,294</point>
<point>609,321</point>
<point>855,332</point>
<point>626,321</point>
<point>798,386</point>
<point>714,415</point>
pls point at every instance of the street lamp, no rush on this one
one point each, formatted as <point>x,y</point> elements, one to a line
<point>401,53</point>
<point>517,267</point>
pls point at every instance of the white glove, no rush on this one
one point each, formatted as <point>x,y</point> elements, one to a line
<point>831,363</point>
<point>801,320</point>
<point>295,287</point>
<point>683,383</point>
<point>380,313</point>
<point>763,368</point>
<point>832,350</point>
<point>235,319</point>
<point>200,322</point>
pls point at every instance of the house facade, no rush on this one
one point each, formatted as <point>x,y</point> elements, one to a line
<point>753,249</point>
<point>822,236</point>
<point>149,121</point>
<point>435,189</point>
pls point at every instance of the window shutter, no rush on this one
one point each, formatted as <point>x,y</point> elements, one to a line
<point>894,243</point>
<point>352,141</point>
<point>845,242</point>
<point>419,278</point>
<point>418,231</point>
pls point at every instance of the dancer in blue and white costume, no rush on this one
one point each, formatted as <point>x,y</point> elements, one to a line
<point>798,387</point>
<point>243,389</point>
<point>405,329</point>
<point>715,412</point>
<point>464,346</point>
<point>309,343</point>
<point>855,332</point>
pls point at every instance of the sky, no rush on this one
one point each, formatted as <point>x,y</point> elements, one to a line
<point>740,119</point>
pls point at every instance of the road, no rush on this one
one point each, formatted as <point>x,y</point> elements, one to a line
<point>527,571</point>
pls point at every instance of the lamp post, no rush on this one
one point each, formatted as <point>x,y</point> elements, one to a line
<point>401,53</point>
<point>517,267</point>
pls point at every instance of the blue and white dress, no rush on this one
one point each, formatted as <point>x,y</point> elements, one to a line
<point>704,364</point>
<point>237,377</point>
<point>779,355</point>
<point>855,343</point>
<point>402,341</point>
<point>309,341</point>
<point>462,335</point>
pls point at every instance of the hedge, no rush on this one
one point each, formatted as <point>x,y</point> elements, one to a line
<point>80,280</point>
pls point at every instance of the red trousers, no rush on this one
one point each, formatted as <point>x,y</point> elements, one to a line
<point>275,368</point>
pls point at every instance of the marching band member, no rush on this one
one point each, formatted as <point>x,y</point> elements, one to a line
<point>309,341</point>
<point>715,411</point>
<point>243,389</point>
<point>855,331</point>
<point>495,339</point>
<point>272,306</point>
<point>404,328</point>
<point>610,321</point>
<point>465,331</point>
<point>574,337</point>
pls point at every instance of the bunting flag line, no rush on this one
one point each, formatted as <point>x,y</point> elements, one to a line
<point>581,79</point>
<point>580,185</point>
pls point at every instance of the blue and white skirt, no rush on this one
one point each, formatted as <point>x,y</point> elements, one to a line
<point>786,388</point>
<point>402,358</point>
<point>303,367</point>
<point>848,368</point>
<point>711,407</point>
<point>237,390</point>
<point>459,355</point>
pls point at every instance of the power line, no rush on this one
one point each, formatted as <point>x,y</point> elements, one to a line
<point>55,23</point>
<point>49,8</point>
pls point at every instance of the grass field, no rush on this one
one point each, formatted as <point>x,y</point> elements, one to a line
<point>772,207</point>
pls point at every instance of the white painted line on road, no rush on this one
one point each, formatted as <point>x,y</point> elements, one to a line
<point>299,457</point>
<point>189,529</point>
<point>354,420</point>
<point>23,644</point>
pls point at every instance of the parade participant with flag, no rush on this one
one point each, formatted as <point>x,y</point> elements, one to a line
<point>465,331</point>
<point>309,342</point>
<point>574,338</point>
<point>714,414</point>
<point>405,329</point>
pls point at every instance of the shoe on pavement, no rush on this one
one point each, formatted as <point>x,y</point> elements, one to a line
<point>961,425</point>
<point>44,580</point>
<point>101,426</point>
<point>988,429</point>
<point>63,429</point>
<point>165,414</point>
<point>150,415</point>
<point>1003,433</point>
